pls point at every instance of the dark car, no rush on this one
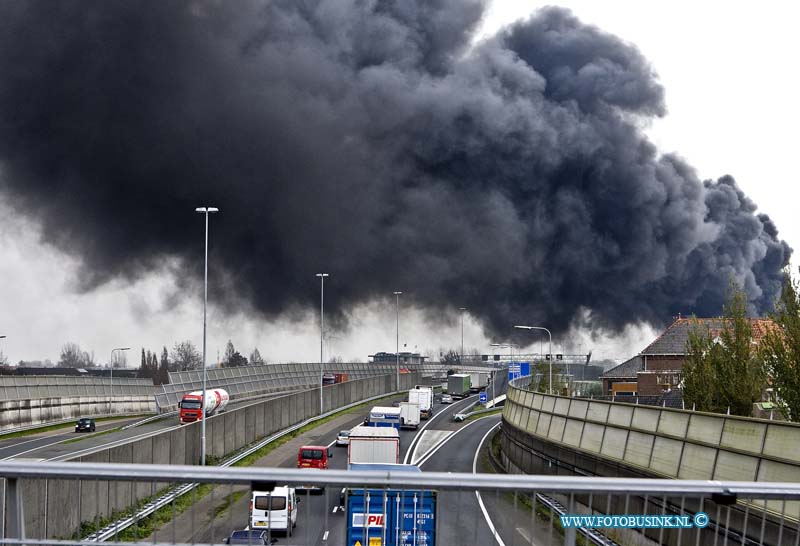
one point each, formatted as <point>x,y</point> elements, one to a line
<point>258,538</point>
<point>84,425</point>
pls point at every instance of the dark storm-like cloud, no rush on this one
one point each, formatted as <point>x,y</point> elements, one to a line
<point>367,139</point>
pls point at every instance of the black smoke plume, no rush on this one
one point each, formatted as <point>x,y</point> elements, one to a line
<point>368,139</point>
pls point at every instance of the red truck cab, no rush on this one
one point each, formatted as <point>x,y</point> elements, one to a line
<point>191,408</point>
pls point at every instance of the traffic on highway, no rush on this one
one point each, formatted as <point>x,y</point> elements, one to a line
<point>372,438</point>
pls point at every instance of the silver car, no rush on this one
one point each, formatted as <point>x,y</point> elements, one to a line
<point>447,399</point>
<point>343,438</point>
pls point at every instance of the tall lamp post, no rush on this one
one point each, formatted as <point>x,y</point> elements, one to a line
<point>550,338</point>
<point>2,337</point>
<point>111,380</point>
<point>462,309</point>
<point>397,324</point>
<point>321,334</point>
<point>206,211</point>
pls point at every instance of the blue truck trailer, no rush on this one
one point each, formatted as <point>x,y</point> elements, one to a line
<point>389,517</point>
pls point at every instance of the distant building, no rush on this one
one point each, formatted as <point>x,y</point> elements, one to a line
<point>405,358</point>
<point>658,368</point>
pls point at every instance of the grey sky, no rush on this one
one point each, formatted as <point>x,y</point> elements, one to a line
<point>728,78</point>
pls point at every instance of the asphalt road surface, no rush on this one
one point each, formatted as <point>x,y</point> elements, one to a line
<point>320,519</point>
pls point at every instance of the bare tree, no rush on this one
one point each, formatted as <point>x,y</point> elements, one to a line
<point>72,356</point>
<point>185,356</point>
<point>3,359</point>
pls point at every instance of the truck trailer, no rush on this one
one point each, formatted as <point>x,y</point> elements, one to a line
<point>373,445</point>
<point>478,381</point>
<point>458,385</point>
<point>389,516</point>
<point>384,416</point>
<point>424,397</point>
<point>190,405</point>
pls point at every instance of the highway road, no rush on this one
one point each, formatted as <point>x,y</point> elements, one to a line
<point>320,517</point>
<point>56,444</point>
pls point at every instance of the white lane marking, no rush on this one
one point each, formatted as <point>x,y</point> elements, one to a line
<point>478,494</point>
<point>525,535</point>
<point>335,508</point>
<point>429,440</point>
<point>114,443</point>
<point>325,536</point>
<point>415,441</point>
<point>437,448</point>
<point>331,444</point>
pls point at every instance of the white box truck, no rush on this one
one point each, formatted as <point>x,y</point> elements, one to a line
<point>478,381</point>
<point>424,397</point>
<point>409,414</point>
<point>373,445</point>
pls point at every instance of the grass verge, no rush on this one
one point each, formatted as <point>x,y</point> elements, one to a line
<point>147,525</point>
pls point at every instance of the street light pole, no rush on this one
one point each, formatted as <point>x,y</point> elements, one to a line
<point>206,211</point>
<point>550,338</point>
<point>462,309</point>
<point>111,380</point>
<point>321,334</point>
<point>510,347</point>
<point>397,348</point>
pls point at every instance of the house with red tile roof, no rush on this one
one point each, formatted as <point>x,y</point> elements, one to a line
<point>657,368</point>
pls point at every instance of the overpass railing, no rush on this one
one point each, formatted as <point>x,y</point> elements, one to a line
<point>472,508</point>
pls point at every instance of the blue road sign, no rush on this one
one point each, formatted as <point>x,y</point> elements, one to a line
<point>482,397</point>
<point>517,369</point>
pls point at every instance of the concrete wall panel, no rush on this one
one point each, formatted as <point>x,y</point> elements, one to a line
<point>533,421</point>
<point>673,423</point>
<point>548,403</point>
<point>573,430</point>
<point>645,419</point>
<point>556,432</point>
<point>705,428</point>
<point>620,415</point>
<point>543,426</point>
<point>666,456</point>
<point>743,435</point>
<point>639,448</point>
<point>697,462</point>
<point>562,406</point>
<point>592,438</point>
<point>735,467</point>
<point>597,411</point>
<point>614,443</point>
<point>782,442</point>
<point>578,408</point>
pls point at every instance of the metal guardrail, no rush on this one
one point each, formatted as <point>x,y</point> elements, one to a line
<point>114,528</point>
<point>496,494</point>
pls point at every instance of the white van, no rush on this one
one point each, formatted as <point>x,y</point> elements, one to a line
<point>274,510</point>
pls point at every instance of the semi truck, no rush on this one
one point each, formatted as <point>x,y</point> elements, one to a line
<point>478,381</point>
<point>458,385</point>
<point>381,516</point>
<point>373,445</point>
<point>333,378</point>
<point>424,397</point>
<point>409,415</point>
<point>190,408</point>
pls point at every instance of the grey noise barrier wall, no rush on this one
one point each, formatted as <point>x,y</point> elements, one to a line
<point>545,434</point>
<point>56,508</point>
<point>34,400</point>
<point>19,413</point>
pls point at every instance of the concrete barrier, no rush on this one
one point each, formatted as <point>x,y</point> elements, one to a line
<point>553,434</point>
<point>55,509</point>
<point>18,413</point>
